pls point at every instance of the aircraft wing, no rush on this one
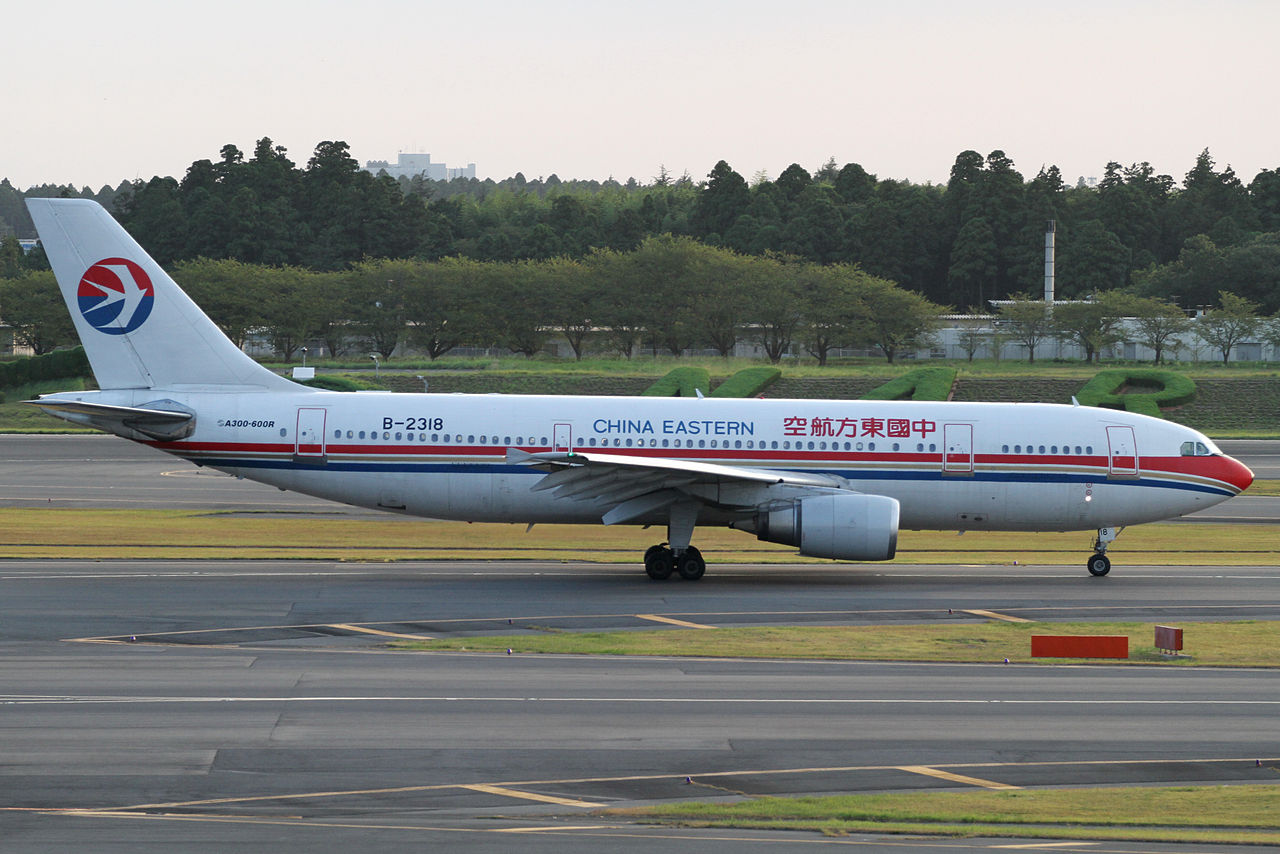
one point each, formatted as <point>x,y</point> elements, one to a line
<point>634,486</point>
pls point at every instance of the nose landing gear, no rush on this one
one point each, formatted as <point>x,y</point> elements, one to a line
<point>1100,564</point>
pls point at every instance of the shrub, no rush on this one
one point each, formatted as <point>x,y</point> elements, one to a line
<point>1167,388</point>
<point>332,383</point>
<point>748,382</point>
<point>920,384</point>
<point>680,382</point>
<point>57,365</point>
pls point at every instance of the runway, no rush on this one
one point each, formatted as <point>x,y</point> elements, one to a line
<point>208,706</point>
<point>205,705</point>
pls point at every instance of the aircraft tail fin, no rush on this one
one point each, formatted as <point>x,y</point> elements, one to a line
<point>138,327</point>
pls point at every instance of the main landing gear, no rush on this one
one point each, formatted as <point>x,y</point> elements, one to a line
<point>1100,564</point>
<point>677,555</point>
<point>660,561</point>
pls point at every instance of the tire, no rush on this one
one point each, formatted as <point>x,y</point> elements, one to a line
<point>658,563</point>
<point>691,566</point>
<point>1099,565</point>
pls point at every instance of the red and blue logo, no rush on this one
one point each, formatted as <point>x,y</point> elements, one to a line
<point>116,296</point>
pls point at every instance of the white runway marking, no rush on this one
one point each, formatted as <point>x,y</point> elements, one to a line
<point>29,700</point>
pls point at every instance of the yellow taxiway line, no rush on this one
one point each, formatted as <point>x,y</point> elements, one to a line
<point>347,627</point>
<point>528,796</point>
<point>977,612</point>
<point>955,778</point>
<point>672,621</point>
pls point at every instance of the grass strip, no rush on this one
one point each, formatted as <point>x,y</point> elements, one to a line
<point>1244,814</point>
<point>102,533</point>
<point>951,638</point>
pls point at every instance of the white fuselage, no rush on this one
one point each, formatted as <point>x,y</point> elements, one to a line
<point>953,466</point>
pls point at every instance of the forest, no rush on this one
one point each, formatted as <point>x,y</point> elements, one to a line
<point>670,261</point>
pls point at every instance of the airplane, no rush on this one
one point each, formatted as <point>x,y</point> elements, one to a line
<point>834,478</point>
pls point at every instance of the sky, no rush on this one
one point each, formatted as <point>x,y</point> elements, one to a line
<point>130,89</point>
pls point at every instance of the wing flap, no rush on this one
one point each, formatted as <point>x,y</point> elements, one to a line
<point>629,487</point>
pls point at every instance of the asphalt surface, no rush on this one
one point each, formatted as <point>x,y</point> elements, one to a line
<point>207,706</point>
<point>223,706</point>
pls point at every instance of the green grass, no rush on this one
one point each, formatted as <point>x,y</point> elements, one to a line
<point>1244,814</point>
<point>17,417</point>
<point>1235,402</point>
<point>25,533</point>
<point>1246,643</point>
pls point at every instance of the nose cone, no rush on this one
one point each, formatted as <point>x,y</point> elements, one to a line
<point>1236,473</point>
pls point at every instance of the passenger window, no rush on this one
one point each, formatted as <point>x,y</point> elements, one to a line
<point>1017,449</point>
<point>1053,449</point>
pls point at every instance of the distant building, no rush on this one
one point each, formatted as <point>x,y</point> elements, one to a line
<point>409,165</point>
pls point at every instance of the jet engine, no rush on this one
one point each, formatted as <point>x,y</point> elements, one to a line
<point>848,526</point>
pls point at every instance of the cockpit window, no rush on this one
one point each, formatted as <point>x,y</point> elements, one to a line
<point>1197,449</point>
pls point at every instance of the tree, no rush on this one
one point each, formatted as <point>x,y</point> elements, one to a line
<point>518,306</point>
<point>571,290</point>
<point>775,310</point>
<point>444,304</point>
<point>897,320</point>
<point>376,304</point>
<point>1090,259</point>
<point>720,296</point>
<point>623,313</point>
<point>33,306</point>
<point>1093,323</point>
<point>1223,328</point>
<point>974,333</point>
<point>833,313</point>
<point>724,199</point>
<point>1029,321</point>
<point>1157,322</point>
<point>292,314</point>
<point>230,292</point>
<point>972,272</point>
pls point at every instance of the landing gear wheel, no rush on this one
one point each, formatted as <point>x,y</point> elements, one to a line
<point>1099,565</point>
<point>659,562</point>
<point>690,565</point>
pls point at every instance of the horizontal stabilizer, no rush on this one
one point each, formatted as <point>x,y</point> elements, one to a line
<point>151,422</point>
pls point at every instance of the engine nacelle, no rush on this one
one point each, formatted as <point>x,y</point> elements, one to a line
<point>849,526</point>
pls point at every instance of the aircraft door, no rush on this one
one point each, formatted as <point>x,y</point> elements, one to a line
<point>957,449</point>
<point>1123,452</point>
<point>563,437</point>
<point>310,441</point>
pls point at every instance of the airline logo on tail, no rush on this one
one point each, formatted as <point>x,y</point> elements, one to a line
<point>115,296</point>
